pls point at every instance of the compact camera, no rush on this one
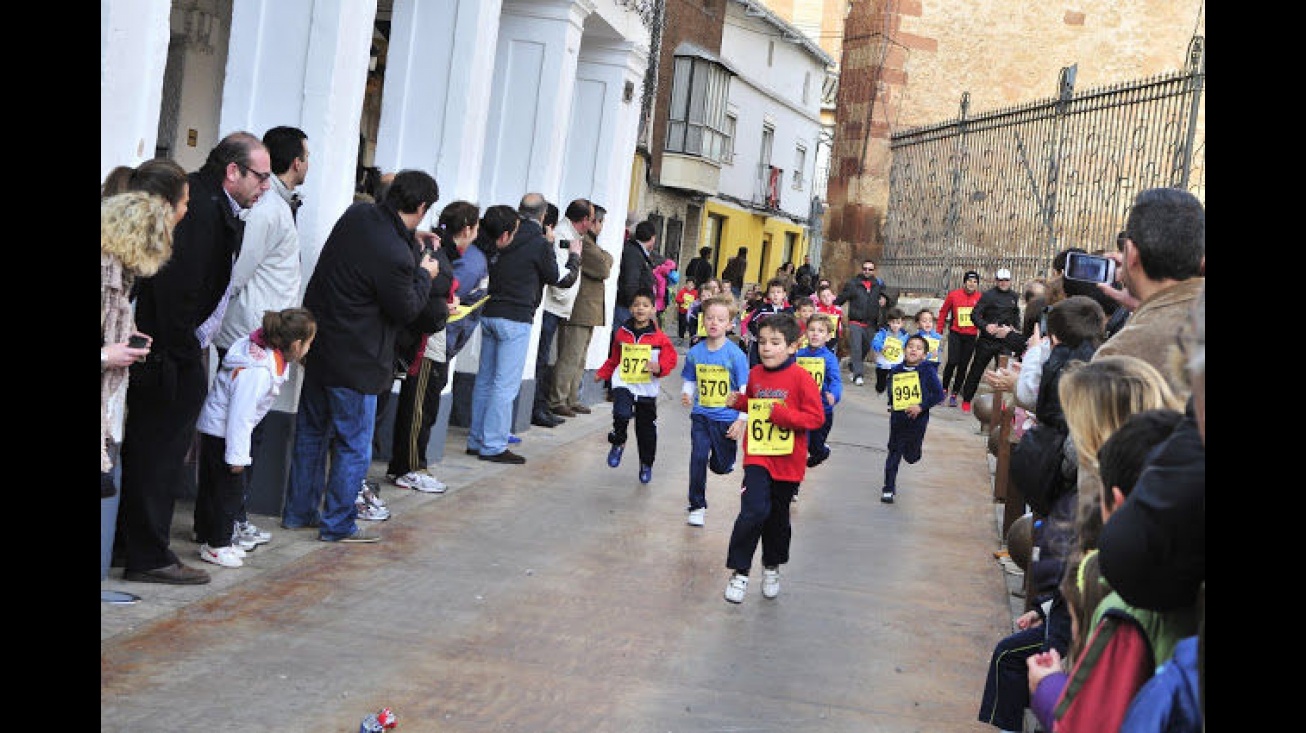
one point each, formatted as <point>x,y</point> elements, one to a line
<point>1090,268</point>
<point>138,342</point>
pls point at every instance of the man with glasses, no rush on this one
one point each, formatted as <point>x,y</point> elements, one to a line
<point>862,294</point>
<point>996,315</point>
<point>559,299</point>
<point>168,389</point>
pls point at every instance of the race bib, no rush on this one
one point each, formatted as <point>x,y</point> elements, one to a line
<point>815,366</point>
<point>933,343</point>
<point>892,349</point>
<point>634,363</point>
<point>702,325</point>
<point>713,384</point>
<point>906,390</point>
<point>764,437</point>
<point>963,316</point>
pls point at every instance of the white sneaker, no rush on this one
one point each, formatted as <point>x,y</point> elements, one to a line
<point>249,531</point>
<point>371,512</point>
<point>242,543</point>
<point>770,582</point>
<point>859,381</point>
<point>696,516</point>
<point>736,588</point>
<point>372,493</point>
<point>423,482</point>
<point>223,556</point>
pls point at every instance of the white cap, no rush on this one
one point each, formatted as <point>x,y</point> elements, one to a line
<point>1004,274</point>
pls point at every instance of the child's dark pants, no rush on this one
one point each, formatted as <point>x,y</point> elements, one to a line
<point>645,411</point>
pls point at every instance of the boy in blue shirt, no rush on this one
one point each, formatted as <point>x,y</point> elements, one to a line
<point>823,365</point>
<point>925,327</point>
<point>888,344</point>
<point>714,368</point>
<point>916,388</point>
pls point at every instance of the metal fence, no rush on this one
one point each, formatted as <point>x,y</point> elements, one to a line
<point>1012,188</point>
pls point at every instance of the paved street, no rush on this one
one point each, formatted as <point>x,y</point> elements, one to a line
<point>565,596</point>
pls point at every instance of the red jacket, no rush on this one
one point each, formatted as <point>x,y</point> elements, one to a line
<point>800,409</point>
<point>651,335</point>
<point>958,298</point>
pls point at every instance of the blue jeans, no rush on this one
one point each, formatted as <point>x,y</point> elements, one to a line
<point>498,379</point>
<point>341,420</point>
<point>708,448</point>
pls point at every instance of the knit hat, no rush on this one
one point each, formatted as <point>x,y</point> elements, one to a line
<point>971,275</point>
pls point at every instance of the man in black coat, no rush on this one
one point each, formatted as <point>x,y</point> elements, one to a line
<point>997,316</point>
<point>636,270</point>
<point>367,285</point>
<point>862,296</point>
<point>700,268</point>
<point>168,389</point>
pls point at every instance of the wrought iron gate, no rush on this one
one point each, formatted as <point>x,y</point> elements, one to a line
<point>1012,188</point>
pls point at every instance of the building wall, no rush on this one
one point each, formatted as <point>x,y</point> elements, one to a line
<point>907,63</point>
<point>696,21</point>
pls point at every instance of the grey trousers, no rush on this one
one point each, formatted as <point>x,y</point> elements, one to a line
<point>573,342</point>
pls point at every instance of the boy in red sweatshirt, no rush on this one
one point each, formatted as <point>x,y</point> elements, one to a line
<point>783,403</point>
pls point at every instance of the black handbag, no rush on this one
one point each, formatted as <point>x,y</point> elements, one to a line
<point>1036,466</point>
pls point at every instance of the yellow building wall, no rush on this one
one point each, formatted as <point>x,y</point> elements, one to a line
<point>741,228</point>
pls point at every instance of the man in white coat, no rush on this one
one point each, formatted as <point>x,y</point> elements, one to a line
<point>558,301</point>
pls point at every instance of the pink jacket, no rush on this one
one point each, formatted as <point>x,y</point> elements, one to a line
<point>660,283</point>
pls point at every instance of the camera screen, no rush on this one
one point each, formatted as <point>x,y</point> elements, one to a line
<point>1089,268</point>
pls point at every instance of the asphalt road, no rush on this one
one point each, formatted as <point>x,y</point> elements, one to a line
<point>563,595</point>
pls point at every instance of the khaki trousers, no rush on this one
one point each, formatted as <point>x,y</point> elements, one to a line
<point>573,342</point>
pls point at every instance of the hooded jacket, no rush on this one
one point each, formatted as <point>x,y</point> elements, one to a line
<point>519,272</point>
<point>242,392</point>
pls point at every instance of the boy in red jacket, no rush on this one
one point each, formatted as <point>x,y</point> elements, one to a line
<point>783,403</point>
<point>641,354</point>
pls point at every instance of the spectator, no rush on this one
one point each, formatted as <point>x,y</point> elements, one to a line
<point>518,274</point>
<point>862,294</point>
<point>265,277</point>
<point>367,285</point>
<point>735,271</point>
<point>699,268</point>
<point>559,300</point>
<point>806,269</point>
<point>635,271</point>
<point>587,311</point>
<point>168,389</point>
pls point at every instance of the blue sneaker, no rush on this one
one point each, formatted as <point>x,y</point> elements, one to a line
<point>513,439</point>
<point>645,474</point>
<point>614,455</point>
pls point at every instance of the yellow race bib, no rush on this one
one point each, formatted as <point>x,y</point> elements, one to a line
<point>634,363</point>
<point>815,366</point>
<point>906,390</point>
<point>963,316</point>
<point>764,437</point>
<point>933,343</point>
<point>892,349</point>
<point>702,324</point>
<point>713,384</point>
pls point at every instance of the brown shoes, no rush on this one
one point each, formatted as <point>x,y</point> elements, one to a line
<point>563,411</point>
<point>174,574</point>
<point>581,409</point>
<point>504,457</point>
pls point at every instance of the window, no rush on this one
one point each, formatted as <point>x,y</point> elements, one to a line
<point>768,137</point>
<point>697,118</point>
<point>728,147</point>
<point>800,163</point>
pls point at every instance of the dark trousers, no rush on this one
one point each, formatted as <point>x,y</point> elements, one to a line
<point>816,438</point>
<point>682,324</point>
<point>961,349</point>
<point>201,516</point>
<point>415,414</point>
<point>221,492</point>
<point>645,411</point>
<point>881,379</point>
<point>1006,688</point>
<point>708,448</point>
<point>985,350</point>
<point>162,408</point>
<point>906,437</point>
<point>543,372</point>
<point>763,516</point>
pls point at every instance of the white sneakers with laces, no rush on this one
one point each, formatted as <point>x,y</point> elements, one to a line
<point>696,517</point>
<point>227,557</point>
<point>419,481</point>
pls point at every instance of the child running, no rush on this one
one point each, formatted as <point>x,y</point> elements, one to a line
<point>888,346</point>
<point>641,354</point>
<point>925,327</point>
<point>915,389</point>
<point>823,365</point>
<point>243,390</point>
<point>714,368</point>
<point>783,404</point>
<point>803,310</point>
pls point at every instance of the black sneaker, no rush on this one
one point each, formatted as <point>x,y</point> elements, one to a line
<point>886,496</point>
<point>505,457</point>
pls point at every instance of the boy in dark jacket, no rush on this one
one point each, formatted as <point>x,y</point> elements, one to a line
<point>914,388</point>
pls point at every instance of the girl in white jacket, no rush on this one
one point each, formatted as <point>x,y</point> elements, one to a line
<point>243,390</point>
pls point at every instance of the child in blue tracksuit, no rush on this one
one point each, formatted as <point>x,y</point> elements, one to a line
<point>888,345</point>
<point>714,367</point>
<point>823,365</point>
<point>916,388</point>
<point>925,327</point>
